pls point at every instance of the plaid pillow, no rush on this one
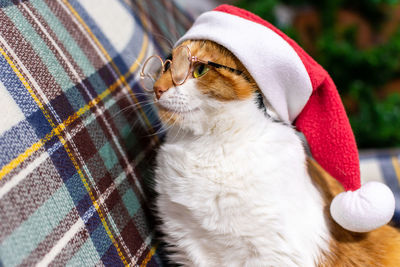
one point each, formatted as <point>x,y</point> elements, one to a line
<point>76,148</point>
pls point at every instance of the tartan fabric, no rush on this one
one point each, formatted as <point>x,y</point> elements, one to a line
<point>77,137</point>
<point>383,166</point>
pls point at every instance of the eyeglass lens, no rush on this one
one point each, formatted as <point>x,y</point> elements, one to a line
<point>153,68</point>
<point>152,71</point>
<point>181,64</point>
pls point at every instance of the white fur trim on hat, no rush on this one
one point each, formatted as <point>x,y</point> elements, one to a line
<point>365,209</point>
<point>273,63</point>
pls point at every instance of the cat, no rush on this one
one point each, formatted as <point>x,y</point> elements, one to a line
<point>235,187</point>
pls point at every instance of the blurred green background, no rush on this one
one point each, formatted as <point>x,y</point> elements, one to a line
<point>358,43</point>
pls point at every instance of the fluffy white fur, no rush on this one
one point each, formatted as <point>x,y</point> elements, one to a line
<point>233,187</point>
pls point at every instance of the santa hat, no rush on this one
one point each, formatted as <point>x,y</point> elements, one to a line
<point>302,93</point>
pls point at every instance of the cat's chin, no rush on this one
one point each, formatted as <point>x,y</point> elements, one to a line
<point>184,122</point>
<point>169,116</point>
<point>176,111</point>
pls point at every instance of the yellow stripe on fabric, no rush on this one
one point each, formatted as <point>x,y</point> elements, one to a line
<point>74,162</point>
<point>396,166</point>
<point>149,256</point>
<point>141,54</point>
<point>6,169</point>
<point>25,83</point>
<point>36,146</point>
<point>75,13</point>
<point>15,162</point>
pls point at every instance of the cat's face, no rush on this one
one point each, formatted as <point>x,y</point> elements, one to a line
<point>205,91</point>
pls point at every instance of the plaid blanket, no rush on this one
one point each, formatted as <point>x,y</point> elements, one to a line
<point>77,133</point>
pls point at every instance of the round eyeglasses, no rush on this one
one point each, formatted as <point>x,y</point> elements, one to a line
<point>181,63</point>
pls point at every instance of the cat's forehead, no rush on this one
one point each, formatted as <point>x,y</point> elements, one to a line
<point>204,49</point>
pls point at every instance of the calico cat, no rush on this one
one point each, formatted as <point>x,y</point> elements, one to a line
<point>235,187</point>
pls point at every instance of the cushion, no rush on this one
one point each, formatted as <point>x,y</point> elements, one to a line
<point>77,137</point>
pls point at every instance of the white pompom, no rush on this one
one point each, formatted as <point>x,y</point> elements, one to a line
<point>365,209</point>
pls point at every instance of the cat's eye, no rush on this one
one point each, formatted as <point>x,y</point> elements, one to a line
<point>200,69</point>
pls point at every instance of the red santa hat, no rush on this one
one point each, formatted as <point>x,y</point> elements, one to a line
<point>302,93</point>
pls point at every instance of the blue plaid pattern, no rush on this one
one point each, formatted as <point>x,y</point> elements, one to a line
<point>76,141</point>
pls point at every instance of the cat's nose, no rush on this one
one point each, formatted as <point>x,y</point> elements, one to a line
<point>159,90</point>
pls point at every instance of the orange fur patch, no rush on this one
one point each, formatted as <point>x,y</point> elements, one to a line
<point>220,82</point>
<point>380,247</point>
<point>168,117</point>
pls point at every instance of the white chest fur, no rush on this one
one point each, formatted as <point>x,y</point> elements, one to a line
<point>240,196</point>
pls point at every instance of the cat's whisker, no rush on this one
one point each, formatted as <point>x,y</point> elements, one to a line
<point>136,123</point>
<point>167,121</point>
<point>144,103</point>
<point>191,114</point>
<point>181,109</point>
<point>143,93</point>
<point>180,124</point>
<point>121,95</point>
<point>139,120</point>
<point>134,107</point>
<point>160,131</point>
<point>163,128</point>
<point>177,133</point>
<point>147,129</point>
